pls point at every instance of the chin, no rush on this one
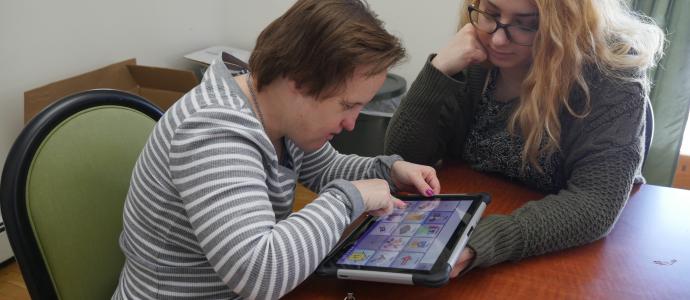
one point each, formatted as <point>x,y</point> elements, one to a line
<point>311,147</point>
<point>504,64</point>
<point>508,64</point>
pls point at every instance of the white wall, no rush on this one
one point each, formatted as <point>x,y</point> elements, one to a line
<point>423,27</point>
<point>44,41</point>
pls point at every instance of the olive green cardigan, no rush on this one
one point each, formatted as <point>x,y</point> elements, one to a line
<point>601,159</point>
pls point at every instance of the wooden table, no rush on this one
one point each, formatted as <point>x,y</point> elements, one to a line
<point>647,255</point>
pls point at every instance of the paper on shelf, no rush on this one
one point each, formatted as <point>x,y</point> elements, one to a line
<point>206,56</point>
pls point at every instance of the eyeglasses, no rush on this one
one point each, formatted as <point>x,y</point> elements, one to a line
<point>518,34</point>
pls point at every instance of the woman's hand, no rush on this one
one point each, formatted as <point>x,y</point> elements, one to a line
<point>415,178</point>
<point>464,49</point>
<point>463,262</point>
<point>377,198</point>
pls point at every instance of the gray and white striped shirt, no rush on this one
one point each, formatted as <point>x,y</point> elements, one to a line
<point>209,211</point>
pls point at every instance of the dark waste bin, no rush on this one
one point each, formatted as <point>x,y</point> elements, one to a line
<point>370,129</point>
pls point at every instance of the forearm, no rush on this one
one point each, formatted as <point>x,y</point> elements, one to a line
<point>233,220</point>
<point>223,186</point>
<point>260,258</point>
<point>326,164</point>
<point>420,127</point>
<point>583,212</point>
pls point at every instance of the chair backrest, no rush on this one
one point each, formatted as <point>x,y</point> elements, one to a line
<point>648,130</point>
<point>63,189</point>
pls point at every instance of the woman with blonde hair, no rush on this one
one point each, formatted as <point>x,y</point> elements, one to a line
<point>553,94</point>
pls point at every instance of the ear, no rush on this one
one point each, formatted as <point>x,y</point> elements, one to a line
<point>295,88</point>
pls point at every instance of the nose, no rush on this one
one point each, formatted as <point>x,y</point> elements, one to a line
<point>500,37</point>
<point>348,123</point>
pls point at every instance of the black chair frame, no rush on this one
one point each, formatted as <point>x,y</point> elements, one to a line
<point>15,171</point>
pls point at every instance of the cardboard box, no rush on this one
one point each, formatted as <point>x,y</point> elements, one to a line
<point>161,86</point>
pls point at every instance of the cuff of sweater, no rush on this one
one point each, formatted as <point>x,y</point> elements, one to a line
<point>384,166</point>
<point>349,194</point>
<point>496,239</point>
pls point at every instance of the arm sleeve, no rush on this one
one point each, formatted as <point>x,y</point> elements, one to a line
<point>604,154</point>
<point>431,115</point>
<point>326,164</point>
<point>217,170</point>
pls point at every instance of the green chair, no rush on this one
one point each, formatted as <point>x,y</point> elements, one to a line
<point>63,190</point>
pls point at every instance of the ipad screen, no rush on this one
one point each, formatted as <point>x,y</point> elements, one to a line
<point>410,238</point>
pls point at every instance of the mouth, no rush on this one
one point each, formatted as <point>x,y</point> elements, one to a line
<point>331,135</point>
<point>499,53</point>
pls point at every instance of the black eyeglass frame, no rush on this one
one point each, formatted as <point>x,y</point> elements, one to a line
<point>499,25</point>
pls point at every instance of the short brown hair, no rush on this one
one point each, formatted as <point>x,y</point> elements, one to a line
<point>319,43</point>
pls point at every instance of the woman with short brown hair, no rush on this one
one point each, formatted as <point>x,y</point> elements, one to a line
<point>209,210</point>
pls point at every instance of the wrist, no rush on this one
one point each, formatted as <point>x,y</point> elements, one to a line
<point>346,192</point>
<point>394,175</point>
<point>439,65</point>
<point>447,69</point>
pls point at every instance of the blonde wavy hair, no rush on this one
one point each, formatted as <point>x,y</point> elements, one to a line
<point>574,34</point>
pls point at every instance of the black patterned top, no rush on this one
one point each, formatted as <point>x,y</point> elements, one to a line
<point>491,148</point>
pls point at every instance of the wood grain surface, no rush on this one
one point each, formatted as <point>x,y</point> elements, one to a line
<point>647,255</point>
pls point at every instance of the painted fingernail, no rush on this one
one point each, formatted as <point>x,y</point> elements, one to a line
<point>429,192</point>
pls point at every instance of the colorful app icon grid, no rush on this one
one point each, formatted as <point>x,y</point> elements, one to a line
<point>402,238</point>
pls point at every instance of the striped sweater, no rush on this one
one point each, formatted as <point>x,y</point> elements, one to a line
<point>209,211</point>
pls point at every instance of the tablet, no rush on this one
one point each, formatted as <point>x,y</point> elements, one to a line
<point>417,245</point>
